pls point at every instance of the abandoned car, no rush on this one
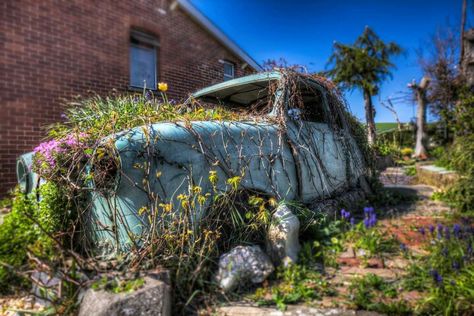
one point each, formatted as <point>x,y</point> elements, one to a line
<point>293,143</point>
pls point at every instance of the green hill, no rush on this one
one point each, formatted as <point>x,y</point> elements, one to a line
<point>385,127</point>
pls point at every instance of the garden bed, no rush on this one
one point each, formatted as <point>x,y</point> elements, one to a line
<point>436,176</point>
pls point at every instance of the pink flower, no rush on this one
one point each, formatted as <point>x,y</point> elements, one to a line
<point>48,150</point>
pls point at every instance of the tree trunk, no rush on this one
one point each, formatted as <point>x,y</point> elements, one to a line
<point>420,150</point>
<point>420,146</point>
<point>369,117</point>
<point>463,25</point>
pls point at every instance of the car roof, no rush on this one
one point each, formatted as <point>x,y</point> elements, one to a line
<point>231,87</point>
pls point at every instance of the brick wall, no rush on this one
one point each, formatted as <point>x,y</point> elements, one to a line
<point>53,50</point>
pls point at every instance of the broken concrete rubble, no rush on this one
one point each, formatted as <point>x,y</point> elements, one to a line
<point>243,264</point>
<point>282,238</point>
<point>154,298</point>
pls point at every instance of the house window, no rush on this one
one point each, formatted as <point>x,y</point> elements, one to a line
<point>228,70</point>
<point>143,61</point>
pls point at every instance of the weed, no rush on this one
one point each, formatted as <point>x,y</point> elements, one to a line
<point>295,283</point>
<point>373,293</point>
<point>117,285</point>
<point>410,170</point>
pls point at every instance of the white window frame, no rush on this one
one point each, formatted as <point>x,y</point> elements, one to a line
<point>227,76</point>
<point>144,41</point>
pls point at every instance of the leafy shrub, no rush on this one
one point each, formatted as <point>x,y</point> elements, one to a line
<point>461,195</point>
<point>447,272</point>
<point>29,228</point>
<point>410,170</point>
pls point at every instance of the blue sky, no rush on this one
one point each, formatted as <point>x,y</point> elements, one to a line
<point>302,32</point>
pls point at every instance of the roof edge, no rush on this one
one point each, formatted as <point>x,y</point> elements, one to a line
<point>200,18</point>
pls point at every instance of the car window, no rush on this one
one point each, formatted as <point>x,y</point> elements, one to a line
<point>254,98</point>
<point>307,104</point>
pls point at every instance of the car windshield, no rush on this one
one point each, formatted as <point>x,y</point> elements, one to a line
<point>252,98</point>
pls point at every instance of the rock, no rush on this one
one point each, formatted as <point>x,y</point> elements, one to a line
<point>282,238</point>
<point>243,264</point>
<point>45,287</point>
<point>154,298</point>
<point>348,253</point>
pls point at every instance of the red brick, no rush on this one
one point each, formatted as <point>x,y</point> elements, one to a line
<point>53,50</point>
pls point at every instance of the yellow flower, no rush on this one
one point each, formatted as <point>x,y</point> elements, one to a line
<point>162,86</point>
<point>213,177</point>
<point>234,182</point>
<point>166,207</point>
<point>201,199</point>
<point>142,210</point>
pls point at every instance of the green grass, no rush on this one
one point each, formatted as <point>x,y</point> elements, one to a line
<point>385,127</point>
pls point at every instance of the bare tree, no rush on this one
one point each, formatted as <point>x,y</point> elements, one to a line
<point>463,25</point>
<point>389,106</point>
<point>440,63</point>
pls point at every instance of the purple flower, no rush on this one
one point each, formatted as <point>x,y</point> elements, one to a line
<point>148,95</point>
<point>345,214</point>
<point>456,265</point>
<point>440,227</point>
<point>447,233</point>
<point>368,210</point>
<point>370,221</point>
<point>437,278</point>
<point>352,221</point>
<point>370,217</point>
<point>440,231</point>
<point>422,230</point>
<point>403,247</point>
<point>457,230</point>
<point>373,219</point>
<point>366,222</point>
<point>431,228</point>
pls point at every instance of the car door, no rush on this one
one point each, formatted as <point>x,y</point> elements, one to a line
<point>318,152</point>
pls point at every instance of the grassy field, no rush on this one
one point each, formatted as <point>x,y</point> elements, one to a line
<point>385,126</point>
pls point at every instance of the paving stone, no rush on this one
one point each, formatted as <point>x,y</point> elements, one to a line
<point>397,263</point>
<point>383,273</point>
<point>348,253</point>
<point>411,296</point>
<point>292,310</point>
